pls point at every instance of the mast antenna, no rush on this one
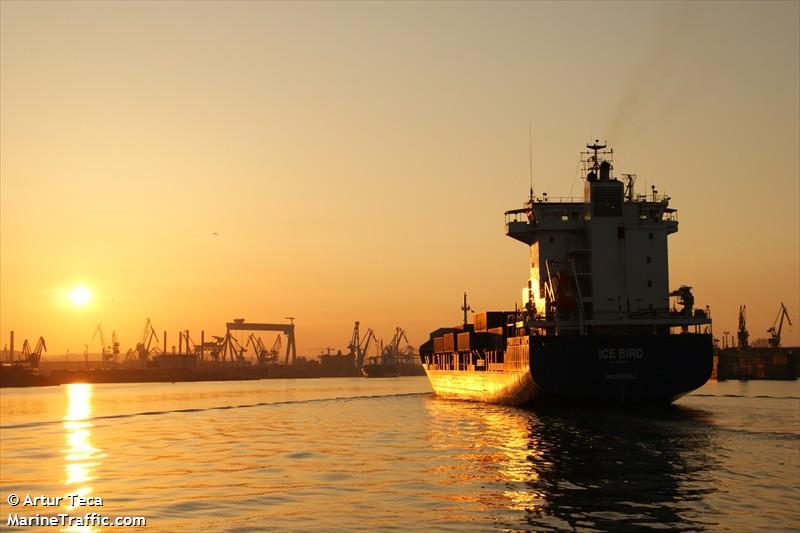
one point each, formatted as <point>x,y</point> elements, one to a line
<point>530,157</point>
<point>465,308</point>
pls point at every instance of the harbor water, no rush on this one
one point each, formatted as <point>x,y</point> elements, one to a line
<point>387,455</point>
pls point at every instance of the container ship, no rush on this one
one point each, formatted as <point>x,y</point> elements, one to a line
<point>598,323</point>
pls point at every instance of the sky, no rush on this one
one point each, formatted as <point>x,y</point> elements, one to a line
<point>192,162</point>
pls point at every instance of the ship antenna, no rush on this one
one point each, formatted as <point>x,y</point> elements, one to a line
<point>530,157</point>
<point>465,308</point>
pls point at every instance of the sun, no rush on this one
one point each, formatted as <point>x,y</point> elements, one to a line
<point>80,296</point>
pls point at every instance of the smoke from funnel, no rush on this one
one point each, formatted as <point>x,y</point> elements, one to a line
<point>646,80</point>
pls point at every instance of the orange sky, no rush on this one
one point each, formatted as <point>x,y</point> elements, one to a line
<point>355,159</point>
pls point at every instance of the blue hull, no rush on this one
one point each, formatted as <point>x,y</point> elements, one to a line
<point>619,369</point>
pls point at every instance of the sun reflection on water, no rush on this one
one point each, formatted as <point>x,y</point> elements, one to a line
<point>501,453</point>
<point>81,458</point>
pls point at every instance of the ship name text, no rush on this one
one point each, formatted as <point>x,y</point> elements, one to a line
<point>620,353</point>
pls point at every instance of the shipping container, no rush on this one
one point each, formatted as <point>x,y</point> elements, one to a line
<point>449,342</point>
<point>490,319</point>
<point>464,341</point>
<point>438,344</point>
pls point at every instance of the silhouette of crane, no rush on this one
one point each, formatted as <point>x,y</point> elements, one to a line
<point>33,356</point>
<point>775,334</point>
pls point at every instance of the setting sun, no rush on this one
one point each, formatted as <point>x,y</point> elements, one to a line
<point>80,296</point>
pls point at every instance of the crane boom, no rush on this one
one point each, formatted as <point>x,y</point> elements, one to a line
<point>104,352</point>
<point>143,347</point>
<point>33,356</point>
<point>775,334</point>
<point>362,348</point>
<point>355,341</point>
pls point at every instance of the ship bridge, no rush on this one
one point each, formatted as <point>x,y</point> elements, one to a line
<point>601,259</point>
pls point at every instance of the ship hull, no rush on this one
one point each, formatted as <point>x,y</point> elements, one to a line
<point>381,370</point>
<point>510,388</point>
<point>589,369</point>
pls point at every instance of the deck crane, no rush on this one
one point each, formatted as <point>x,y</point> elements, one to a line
<point>143,348</point>
<point>33,356</point>
<point>775,335</point>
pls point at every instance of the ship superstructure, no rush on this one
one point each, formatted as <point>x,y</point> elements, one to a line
<point>596,321</point>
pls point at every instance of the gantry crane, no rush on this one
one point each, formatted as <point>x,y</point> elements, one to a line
<point>775,334</point>
<point>286,329</point>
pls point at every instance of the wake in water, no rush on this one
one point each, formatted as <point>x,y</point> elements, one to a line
<point>216,408</point>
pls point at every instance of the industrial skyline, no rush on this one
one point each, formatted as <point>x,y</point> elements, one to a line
<point>194,162</point>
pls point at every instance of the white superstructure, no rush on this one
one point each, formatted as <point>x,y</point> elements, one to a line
<point>599,264</point>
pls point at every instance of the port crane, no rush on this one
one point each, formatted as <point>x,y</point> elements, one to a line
<point>33,356</point>
<point>287,329</point>
<point>108,352</point>
<point>186,345</point>
<point>264,355</point>
<point>143,348</point>
<point>256,344</point>
<point>392,351</point>
<point>742,334</point>
<point>98,332</point>
<point>775,334</point>
<point>114,346</point>
<point>275,351</point>
<point>229,348</point>
<point>399,336</point>
<point>358,346</point>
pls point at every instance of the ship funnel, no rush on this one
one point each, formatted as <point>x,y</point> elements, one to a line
<point>605,171</point>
